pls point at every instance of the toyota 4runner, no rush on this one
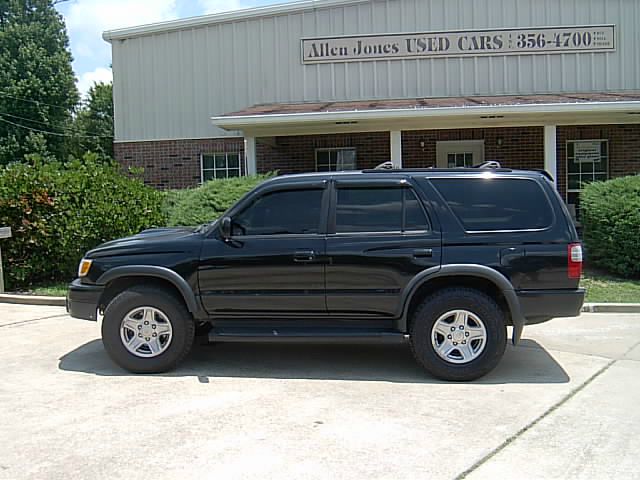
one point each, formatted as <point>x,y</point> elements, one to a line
<point>442,259</point>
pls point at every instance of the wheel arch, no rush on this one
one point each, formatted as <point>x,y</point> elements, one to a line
<point>119,279</point>
<point>480,277</point>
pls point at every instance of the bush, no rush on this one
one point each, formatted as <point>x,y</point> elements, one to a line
<point>206,203</point>
<point>59,211</point>
<point>611,219</point>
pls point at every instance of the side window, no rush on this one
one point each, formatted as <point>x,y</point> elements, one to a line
<point>378,210</point>
<point>484,204</point>
<point>281,212</point>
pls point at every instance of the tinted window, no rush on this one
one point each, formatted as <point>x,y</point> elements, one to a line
<point>279,213</point>
<point>414,216</point>
<point>496,203</point>
<point>378,210</point>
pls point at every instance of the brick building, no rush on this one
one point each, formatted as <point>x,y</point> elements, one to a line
<point>348,84</point>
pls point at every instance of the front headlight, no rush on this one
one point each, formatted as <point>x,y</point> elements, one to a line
<point>84,267</point>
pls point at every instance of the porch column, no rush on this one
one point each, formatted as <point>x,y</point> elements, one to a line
<point>550,160</point>
<point>251,166</point>
<point>396,148</point>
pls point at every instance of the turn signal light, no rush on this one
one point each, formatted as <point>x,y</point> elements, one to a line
<point>574,259</point>
<point>84,267</point>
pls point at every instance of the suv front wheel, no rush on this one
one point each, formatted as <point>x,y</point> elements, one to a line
<point>458,334</point>
<point>147,330</point>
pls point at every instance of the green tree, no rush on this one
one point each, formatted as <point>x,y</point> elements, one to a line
<point>37,84</point>
<point>94,122</point>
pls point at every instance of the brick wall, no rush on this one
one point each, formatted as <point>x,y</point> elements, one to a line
<point>296,154</point>
<point>513,147</point>
<point>624,148</point>
<point>172,163</point>
<point>176,163</point>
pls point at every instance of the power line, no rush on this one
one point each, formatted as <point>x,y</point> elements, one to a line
<point>93,134</point>
<point>46,132</point>
<point>33,101</point>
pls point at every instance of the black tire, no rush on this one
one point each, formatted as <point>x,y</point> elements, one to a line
<point>182,325</point>
<point>446,300</point>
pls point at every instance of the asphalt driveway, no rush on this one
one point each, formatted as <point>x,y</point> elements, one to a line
<point>563,404</point>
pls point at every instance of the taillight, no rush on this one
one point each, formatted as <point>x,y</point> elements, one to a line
<point>574,260</point>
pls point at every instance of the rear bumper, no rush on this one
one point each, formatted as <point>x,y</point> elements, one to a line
<point>541,305</point>
<point>82,300</point>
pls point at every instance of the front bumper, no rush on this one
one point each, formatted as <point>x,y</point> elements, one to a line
<point>541,305</point>
<point>82,300</point>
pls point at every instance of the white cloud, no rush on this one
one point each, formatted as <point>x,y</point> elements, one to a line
<point>87,19</point>
<point>216,6</point>
<point>87,79</point>
<point>95,16</point>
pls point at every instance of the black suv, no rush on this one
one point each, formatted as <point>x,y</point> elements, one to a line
<point>443,259</point>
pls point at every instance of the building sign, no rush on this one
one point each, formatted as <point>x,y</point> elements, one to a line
<point>587,151</point>
<point>510,41</point>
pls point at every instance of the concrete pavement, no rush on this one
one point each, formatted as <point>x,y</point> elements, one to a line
<point>560,405</point>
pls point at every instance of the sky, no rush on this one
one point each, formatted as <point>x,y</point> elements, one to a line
<point>87,19</point>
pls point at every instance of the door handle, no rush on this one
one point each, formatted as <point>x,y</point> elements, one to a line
<point>304,256</point>
<point>423,253</point>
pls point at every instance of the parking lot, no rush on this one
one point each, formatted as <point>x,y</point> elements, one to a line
<point>563,404</point>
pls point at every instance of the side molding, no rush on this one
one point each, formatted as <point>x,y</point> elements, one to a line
<point>470,270</point>
<point>156,272</point>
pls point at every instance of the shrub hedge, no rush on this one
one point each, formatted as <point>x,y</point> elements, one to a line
<point>611,220</point>
<point>207,202</point>
<point>59,211</point>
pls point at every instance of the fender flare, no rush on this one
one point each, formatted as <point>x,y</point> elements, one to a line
<point>154,271</point>
<point>469,270</point>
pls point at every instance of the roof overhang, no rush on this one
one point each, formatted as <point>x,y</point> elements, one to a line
<point>296,123</point>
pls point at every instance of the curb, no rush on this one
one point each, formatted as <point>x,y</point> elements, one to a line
<point>32,300</point>
<point>611,307</point>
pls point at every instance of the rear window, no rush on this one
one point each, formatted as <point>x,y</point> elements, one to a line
<point>483,204</point>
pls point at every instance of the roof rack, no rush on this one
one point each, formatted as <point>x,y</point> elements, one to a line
<point>388,165</point>
<point>488,164</point>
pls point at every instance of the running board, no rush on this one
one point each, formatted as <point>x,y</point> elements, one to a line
<point>305,335</point>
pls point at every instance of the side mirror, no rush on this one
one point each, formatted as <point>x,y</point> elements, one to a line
<point>225,227</point>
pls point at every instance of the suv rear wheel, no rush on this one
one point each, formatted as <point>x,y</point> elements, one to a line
<point>458,334</point>
<point>147,330</point>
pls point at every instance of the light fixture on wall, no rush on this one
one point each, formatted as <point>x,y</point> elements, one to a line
<point>499,141</point>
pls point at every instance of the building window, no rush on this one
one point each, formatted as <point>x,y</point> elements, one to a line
<point>462,153</point>
<point>587,161</point>
<point>335,159</point>
<point>456,160</point>
<point>220,165</point>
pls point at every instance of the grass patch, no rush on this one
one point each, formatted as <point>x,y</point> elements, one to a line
<point>53,290</point>
<point>603,287</point>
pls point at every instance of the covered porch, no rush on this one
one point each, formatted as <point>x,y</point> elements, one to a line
<point>576,138</point>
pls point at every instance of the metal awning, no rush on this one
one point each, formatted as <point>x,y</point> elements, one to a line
<point>434,113</point>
